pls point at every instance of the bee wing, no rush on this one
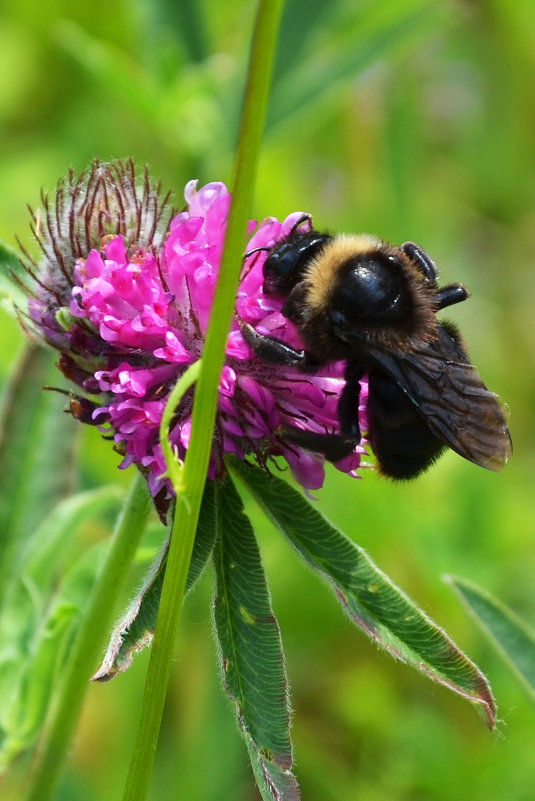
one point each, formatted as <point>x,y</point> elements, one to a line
<point>449,394</point>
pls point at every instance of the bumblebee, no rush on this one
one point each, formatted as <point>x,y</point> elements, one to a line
<point>373,305</point>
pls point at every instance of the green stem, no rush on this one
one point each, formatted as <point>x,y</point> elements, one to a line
<point>204,410</point>
<point>90,640</point>
<point>175,470</point>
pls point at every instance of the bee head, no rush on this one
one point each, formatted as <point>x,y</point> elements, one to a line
<point>287,262</point>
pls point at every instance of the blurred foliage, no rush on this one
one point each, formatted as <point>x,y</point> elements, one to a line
<point>410,119</point>
<point>514,640</point>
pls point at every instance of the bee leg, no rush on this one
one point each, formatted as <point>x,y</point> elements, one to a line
<point>348,403</point>
<point>303,219</point>
<point>267,248</point>
<point>448,295</point>
<point>332,446</point>
<point>423,261</point>
<point>275,350</point>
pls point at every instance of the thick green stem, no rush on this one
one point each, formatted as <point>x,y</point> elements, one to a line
<point>89,641</point>
<point>204,411</point>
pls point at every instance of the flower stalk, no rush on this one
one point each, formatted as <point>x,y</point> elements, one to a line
<point>204,411</point>
<point>89,641</point>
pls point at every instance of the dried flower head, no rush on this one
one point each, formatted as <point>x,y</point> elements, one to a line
<point>124,292</point>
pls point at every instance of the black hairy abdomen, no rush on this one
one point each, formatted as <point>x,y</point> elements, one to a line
<point>400,438</point>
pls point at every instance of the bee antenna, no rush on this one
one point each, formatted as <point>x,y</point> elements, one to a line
<point>302,219</point>
<point>256,250</point>
<point>423,260</point>
<point>451,294</point>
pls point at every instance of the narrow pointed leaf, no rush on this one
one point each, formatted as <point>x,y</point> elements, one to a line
<point>251,651</point>
<point>9,262</point>
<point>514,640</point>
<point>313,80</point>
<point>26,687</point>
<point>37,443</point>
<point>119,74</point>
<point>41,559</point>
<point>11,294</point>
<point>36,630</point>
<point>40,605</point>
<point>135,629</point>
<point>370,598</point>
<point>41,568</point>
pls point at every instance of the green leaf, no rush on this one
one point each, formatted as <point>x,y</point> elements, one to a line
<point>135,629</point>
<point>41,607</point>
<point>10,262</point>
<point>41,568</point>
<point>123,76</point>
<point>370,598</point>
<point>37,449</point>
<point>40,559</point>
<point>186,106</point>
<point>514,640</point>
<point>26,686</point>
<point>251,651</point>
<point>12,295</point>
<point>363,40</point>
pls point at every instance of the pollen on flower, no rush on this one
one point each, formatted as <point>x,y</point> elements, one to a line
<point>124,291</point>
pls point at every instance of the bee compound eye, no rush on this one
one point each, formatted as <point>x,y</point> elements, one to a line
<point>279,268</point>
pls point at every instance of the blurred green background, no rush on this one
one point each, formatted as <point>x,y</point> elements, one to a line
<point>408,119</point>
